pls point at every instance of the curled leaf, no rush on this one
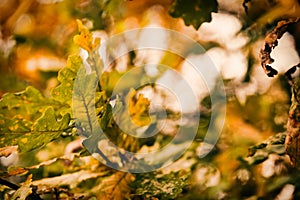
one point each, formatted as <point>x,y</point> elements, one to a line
<point>85,38</point>
<point>271,41</point>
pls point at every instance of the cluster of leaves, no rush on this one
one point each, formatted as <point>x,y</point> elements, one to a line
<point>29,120</point>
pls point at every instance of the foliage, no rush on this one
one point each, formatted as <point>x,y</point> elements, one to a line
<point>29,120</point>
<point>43,126</point>
<point>116,186</point>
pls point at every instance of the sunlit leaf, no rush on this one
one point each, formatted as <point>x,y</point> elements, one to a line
<point>48,122</point>
<point>28,119</point>
<point>84,101</point>
<point>16,124</point>
<point>84,39</point>
<point>43,131</point>
<point>29,104</point>
<point>66,77</point>
<point>116,186</point>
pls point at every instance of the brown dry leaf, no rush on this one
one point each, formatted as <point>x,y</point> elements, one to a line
<point>6,151</point>
<point>293,150</point>
<point>14,171</point>
<point>116,186</point>
<point>271,41</point>
<point>72,179</point>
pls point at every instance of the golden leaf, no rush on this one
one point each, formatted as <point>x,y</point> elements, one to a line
<point>84,39</point>
<point>116,186</point>
<point>138,109</point>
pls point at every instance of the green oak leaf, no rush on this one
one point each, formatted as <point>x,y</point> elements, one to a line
<point>15,124</point>
<point>90,107</point>
<point>84,101</point>
<point>49,122</point>
<point>193,12</point>
<point>66,77</point>
<point>28,104</point>
<point>45,129</point>
<point>91,110</point>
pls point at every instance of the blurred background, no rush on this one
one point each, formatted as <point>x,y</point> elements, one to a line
<point>36,39</point>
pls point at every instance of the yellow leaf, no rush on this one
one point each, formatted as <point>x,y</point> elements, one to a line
<point>138,109</point>
<point>116,187</point>
<point>84,39</point>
